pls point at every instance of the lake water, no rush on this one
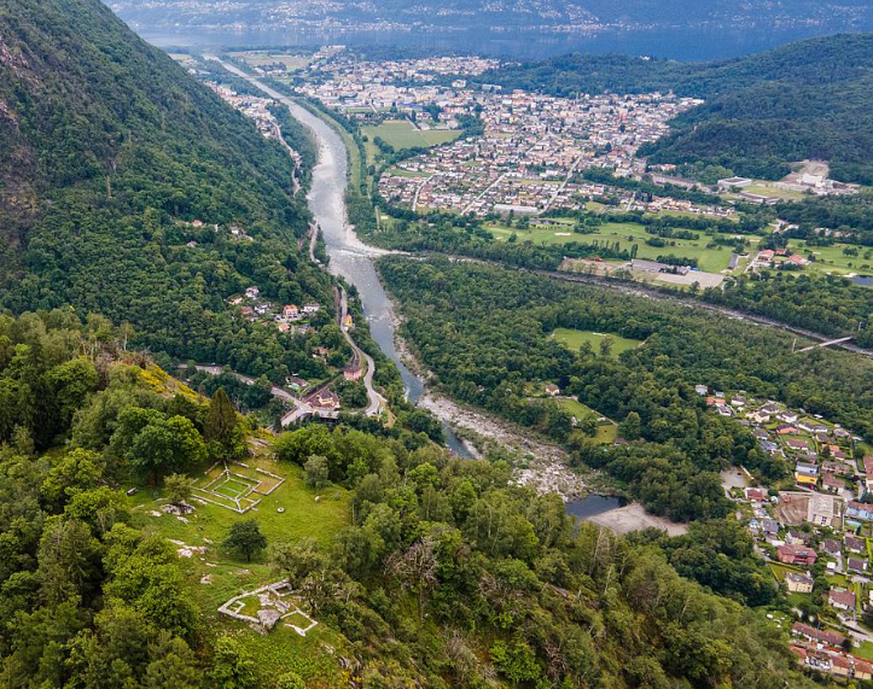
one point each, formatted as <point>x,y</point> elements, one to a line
<point>676,44</point>
<point>592,505</point>
<point>863,280</point>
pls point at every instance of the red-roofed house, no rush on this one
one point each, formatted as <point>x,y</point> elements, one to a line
<point>796,555</point>
<point>863,669</point>
<point>756,494</point>
<point>822,636</point>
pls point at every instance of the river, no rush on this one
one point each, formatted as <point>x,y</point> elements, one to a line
<point>350,258</point>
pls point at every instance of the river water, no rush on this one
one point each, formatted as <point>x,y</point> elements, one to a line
<point>350,258</point>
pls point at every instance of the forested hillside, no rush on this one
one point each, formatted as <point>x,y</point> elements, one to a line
<point>809,99</point>
<point>432,572</point>
<point>109,153</point>
<point>485,333</point>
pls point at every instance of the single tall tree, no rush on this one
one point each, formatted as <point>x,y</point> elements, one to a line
<point>221,429</point>
<point>246,538</point>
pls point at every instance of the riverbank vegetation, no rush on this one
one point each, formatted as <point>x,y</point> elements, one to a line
<point>485,333</point>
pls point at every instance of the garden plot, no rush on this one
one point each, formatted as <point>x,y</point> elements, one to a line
<point>235,485</point>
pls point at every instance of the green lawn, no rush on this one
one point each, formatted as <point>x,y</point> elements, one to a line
<point>767,191</point>
<point>402,134</point>
<point>830,259</point>
<point>302,515</point>
<point>780,570</point>
<point>575,339</point>
<point>864,650</point>
<point>400,172</point>
<point>626,234</point>
<point>607,431</point>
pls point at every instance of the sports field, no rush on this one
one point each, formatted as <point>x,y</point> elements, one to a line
<point>402,134</point>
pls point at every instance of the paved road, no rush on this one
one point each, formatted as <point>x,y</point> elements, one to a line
<point>277,130</point>
<point>216,370</point>
<point>375,400</point>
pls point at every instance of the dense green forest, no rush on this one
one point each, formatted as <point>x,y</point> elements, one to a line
<point>484,332</point>
<point>444,575</point>
<point>831,305</point>
<point>108,154</point>
<point>809,99</point>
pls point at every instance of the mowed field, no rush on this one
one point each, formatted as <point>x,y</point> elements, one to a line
<point>402,134</point>
<point>302,515</point>
<point>575,339</point>
<point>259,59</point>
<point>712,260</point>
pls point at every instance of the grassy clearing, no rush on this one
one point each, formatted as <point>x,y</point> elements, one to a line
<point>607,430</point>
<point>780,571</point>
<point>864,650</point>
<point>403,134</point>
<point>399,172</point>
<point>711,260</point>
<point>575,339</point>
<point>210,524</point>
<point>292,63</point>
<point>228,574</point>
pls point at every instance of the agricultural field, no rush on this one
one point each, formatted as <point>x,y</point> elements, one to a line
<point>400,172</point>
<point>575,339</point>
<point>403,134</point>
<point>712,260</point>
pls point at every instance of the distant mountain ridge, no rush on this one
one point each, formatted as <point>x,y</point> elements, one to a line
<point>809,99</point>
<point>485,13</point>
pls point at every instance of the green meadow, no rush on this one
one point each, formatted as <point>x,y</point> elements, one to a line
<point>607,431</point>
<point>711,260</point>
<point>403,134</point>
<point>575,339</point>
<point>831,259</point>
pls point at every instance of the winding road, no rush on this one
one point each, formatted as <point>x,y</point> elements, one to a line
<point>375,401</point>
